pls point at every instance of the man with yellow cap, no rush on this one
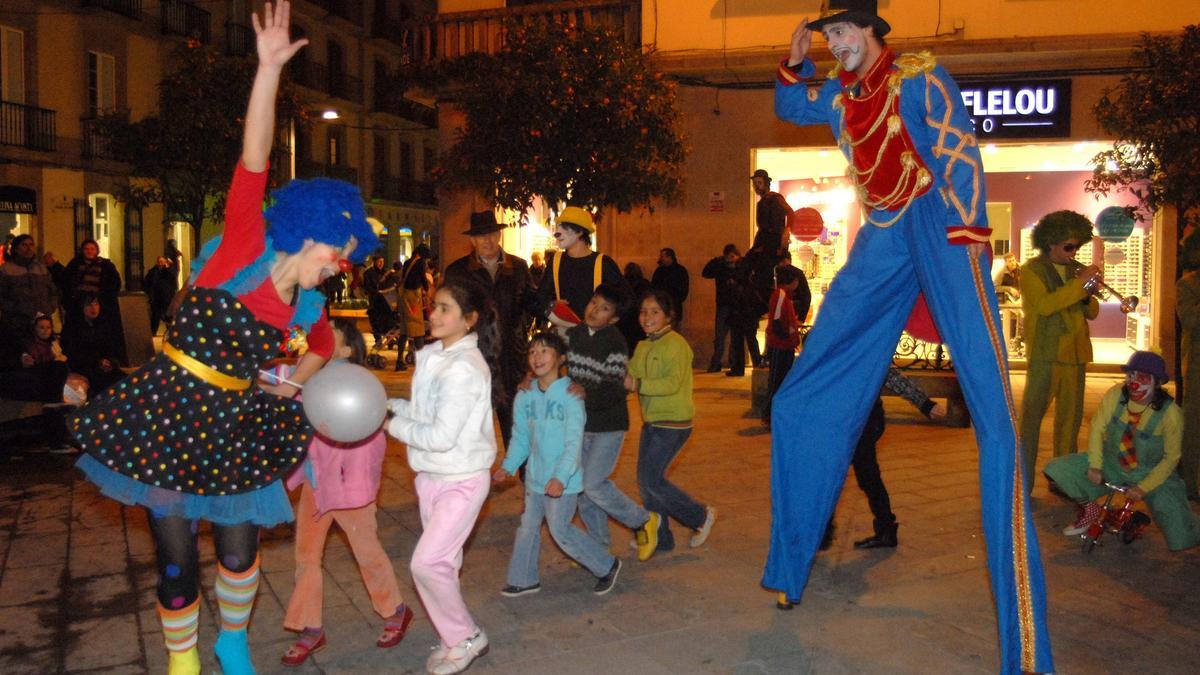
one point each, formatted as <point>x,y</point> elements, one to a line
<point>575,270</point>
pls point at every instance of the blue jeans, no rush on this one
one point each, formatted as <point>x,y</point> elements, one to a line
<point>601,498</point>
<point>658,448</point>
<point>557,512</point>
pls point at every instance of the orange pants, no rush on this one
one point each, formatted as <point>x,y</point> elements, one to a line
<point>304,608</point>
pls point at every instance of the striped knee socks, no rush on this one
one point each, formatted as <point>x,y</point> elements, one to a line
<point>179,633</point>
<point>235,596</point>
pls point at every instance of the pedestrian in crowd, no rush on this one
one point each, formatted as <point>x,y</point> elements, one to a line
<point>637,286</point>
<point>661,374</point>
<point>161,284</point>
<point>597,359</point>
<point>672,278</point>
<point>1057,304</point>
<point>783,331</point>
<point>771,216</point>
<point>1008,289</point>
<point>339,483</point>
<point>915,163</point>
<point>1187,308</point>
<point>43,372</point>
<point>91,275</point>
<point>575,270</point>
<point>451,442</point>
<point>334,288</point>
<point>376,281</point>
<point>198,399</point>
<point>413,285</point>
<point>1134,440</point>
<point>722,270</point>
<point>27,289</point>
<point>548,432</point>
<point>750,304</point>
<point>90,347</point>
<point>537,268</point>
<point>507,279</point>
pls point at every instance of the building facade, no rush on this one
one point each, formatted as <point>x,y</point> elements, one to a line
<point>1029,74</point>
<point>63,62</point>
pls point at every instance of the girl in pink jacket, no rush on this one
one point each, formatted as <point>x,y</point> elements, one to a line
<point>338,483</point>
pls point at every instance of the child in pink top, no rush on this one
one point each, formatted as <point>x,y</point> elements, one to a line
<point>339,483</point>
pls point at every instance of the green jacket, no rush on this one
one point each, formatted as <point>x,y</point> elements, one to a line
<point>663,367</point>
<point>1056,314</point>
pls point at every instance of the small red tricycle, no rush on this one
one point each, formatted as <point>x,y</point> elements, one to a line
<point>1125,521</point>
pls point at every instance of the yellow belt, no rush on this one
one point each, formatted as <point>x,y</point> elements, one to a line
<point>208,375</point>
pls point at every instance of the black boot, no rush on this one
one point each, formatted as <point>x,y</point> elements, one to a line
<point>884,538</point>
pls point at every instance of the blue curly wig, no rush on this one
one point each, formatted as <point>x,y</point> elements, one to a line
<point>322,209</point>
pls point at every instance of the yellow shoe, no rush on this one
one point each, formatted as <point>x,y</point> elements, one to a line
<point>184,663</point>
<point>647,537</point>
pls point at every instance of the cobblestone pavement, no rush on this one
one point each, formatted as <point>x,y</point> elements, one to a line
<point>77,577</point>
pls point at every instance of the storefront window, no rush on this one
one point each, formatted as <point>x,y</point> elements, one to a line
<point>1024,182</point>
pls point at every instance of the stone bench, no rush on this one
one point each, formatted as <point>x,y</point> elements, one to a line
<point>940,384</point>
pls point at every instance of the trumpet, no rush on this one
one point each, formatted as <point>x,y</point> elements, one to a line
<point>1098,288</point>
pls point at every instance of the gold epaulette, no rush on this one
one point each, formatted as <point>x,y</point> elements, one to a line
<point>911,65</point>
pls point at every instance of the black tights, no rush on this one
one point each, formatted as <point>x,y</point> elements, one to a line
<point>179,558</point>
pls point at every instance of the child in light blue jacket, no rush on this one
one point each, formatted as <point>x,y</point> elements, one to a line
<point>548,431</point>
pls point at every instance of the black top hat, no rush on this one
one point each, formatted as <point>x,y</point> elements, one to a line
<point>858,12</point>
<point>483,222</point>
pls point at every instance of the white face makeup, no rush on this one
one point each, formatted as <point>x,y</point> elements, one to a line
<point>565,237</point>
<point>847,43</point>
<point>1141,385</point>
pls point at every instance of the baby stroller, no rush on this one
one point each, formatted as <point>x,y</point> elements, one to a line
<point>1125,521</point>
<point>387,330</point>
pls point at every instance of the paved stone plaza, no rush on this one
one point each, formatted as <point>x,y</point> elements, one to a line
<point>77,577</point>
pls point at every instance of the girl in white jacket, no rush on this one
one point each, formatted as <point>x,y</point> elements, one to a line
<point>451,445</point>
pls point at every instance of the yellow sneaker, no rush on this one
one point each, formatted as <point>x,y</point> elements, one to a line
<point>647,537</point>
<point>184,663</point>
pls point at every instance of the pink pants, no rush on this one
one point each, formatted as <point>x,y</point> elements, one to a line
<point>448,512</point>
<point>304,608</point>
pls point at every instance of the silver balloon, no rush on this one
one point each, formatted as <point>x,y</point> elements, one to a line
<point>344,402</point>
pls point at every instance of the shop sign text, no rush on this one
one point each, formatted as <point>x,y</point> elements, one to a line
<point>1019,109</point>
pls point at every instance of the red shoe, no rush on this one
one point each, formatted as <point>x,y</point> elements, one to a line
<point>299,652</point>
<point>394,630</point>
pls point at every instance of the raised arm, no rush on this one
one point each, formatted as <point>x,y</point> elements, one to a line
<point>275,48</point>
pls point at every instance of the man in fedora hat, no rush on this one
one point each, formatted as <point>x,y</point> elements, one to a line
<point>507,276</point>
<point>914,159</point>
<point>575,270</point>
<point>770,218</point>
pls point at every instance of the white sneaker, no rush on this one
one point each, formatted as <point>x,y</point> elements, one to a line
<point>701,535</point>
<point>459,657</point>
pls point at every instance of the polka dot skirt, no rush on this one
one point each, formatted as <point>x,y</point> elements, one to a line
<point>165,427</point>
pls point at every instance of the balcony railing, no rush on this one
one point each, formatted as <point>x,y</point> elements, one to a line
<point>447,36</point>
<point>129,8</point>
<point>390,99</point>
<point>95,146</point>
<point>318,76</point>
<point>306,169</point>
<point>186,19</point>
<point>26,126</point>
<point>239,39</point>
<point>396,189</point>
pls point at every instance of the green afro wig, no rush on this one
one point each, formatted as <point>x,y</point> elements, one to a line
<point>1055,228</point>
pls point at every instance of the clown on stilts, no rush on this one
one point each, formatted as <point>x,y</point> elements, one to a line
<point>915,161</point>
<point>191,435</point>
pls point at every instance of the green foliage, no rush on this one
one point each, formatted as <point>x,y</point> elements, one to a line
<point>184,157</point>
<point>566,113</point>
<point>1155,116</point>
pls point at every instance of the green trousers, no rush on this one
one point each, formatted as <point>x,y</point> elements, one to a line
<point>1046,382</point>
<point>1167,502</point>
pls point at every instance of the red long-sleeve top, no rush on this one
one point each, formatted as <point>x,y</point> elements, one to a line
<point>242,244</point>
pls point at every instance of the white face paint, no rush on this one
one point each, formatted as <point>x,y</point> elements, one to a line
<point>847,43</point>
<point>565,237</point>
<point>1141,385</point>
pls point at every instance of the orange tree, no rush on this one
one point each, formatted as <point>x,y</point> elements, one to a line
<point>565,113</point>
